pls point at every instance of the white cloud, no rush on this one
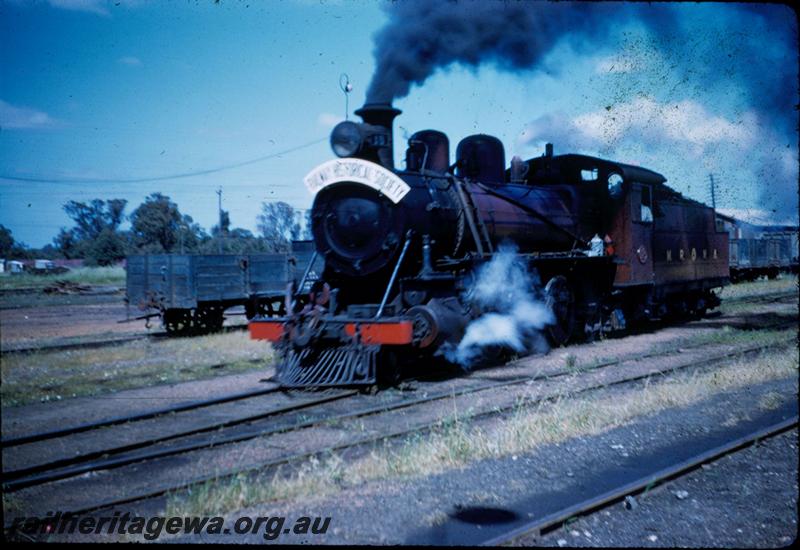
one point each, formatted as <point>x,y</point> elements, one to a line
<point>646,121</point>
<point>130,60</point>
<point>98,7</point>
<point>329,120</point>
<point>15,117</point>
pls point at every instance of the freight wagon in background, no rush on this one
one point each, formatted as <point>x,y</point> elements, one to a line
<point>191,292</point>
<point>759,249</point>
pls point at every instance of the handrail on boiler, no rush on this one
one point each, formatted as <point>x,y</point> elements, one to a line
<point>394,276</point>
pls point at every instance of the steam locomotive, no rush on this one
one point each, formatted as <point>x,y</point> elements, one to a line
<point>609,243</point>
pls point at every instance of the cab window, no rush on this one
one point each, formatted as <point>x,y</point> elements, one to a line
<point>642,204</point>
<point>589,174</point>
<point>615,185</point>
<point>647,204</point>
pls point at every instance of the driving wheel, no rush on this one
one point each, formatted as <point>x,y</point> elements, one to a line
<point>560,300</point>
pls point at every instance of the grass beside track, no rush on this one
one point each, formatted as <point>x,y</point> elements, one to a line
<point>762,286</point>
<point>46,376</point>
<point>457,441</point>
<point>81,275</point>
<point>725,335</point>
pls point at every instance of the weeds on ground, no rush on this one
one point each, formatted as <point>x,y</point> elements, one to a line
<point>81,275</point>
<point>56,375</point>
<point>456,440</point>
<point>763,286</point>
<point>571,363</point>
<point>743,307</point>
<point>728,335</point>
<point>771,400</point>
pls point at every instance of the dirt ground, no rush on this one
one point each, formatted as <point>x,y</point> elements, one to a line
<point>423,510</point>
<point>35,324</point>
<point>747,499</point>
<point>57,319</point>
<point>86,318</point>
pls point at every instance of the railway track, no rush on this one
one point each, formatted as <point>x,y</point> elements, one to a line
<point>105,459</point>
<point>768,297</point>
<point>124,419</point>
<point>761,298</point>
<point>183,407</point>
<point>110,342</point>
<point>559,517</point>
<point>92,344</point>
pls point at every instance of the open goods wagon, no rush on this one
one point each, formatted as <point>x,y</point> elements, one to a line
<point>191,292</point>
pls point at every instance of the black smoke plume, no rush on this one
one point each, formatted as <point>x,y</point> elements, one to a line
<point>422,36</point>
<point>425,35</point>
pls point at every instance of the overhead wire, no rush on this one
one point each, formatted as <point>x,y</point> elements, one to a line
<point>44,179</point>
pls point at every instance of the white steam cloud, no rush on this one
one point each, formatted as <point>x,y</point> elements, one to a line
<point>513,317</point>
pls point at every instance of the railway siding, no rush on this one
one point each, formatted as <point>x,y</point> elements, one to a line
<point>41,416</point>
<point>159,475</point>
<point>347,429</point>
<point>703,509</point>
<point>423,509</point>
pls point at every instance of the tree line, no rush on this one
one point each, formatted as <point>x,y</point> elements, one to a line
<point>157,226</point>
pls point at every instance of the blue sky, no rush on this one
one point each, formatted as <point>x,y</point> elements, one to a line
<point>94,90</point>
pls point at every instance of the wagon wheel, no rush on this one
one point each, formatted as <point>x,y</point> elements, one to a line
<point>259,309</point>
<point>176,321</point>
<point>561,302</point>
<point>209,319</point>
<point>216,319</point>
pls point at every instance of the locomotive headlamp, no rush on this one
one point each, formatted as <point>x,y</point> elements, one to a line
<point>346,139</point>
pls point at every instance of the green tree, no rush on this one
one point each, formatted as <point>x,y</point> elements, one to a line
<point>190,236</point>
<point>157,225</point>
<point>95,217</point>
<point>238,241</point>
<point>226,225</point>
<point>6,242</point>
<point>68,244</point>
<point>107,249</point>
<point>279,223</point>
<point>10,247</point>
<point>95,235</point>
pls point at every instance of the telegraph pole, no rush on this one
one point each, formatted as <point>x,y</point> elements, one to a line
<point>713,193</point>
<point>219,207</point>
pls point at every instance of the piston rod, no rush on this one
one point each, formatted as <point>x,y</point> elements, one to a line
<point>394,275</point>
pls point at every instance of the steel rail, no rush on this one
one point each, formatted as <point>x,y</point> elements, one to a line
<point>110,342</point>
<point>773,296</point>
<point>556,519</point>
<point>63,432</point>
<point>37,475</point>
<point>289,459</point>
<point>93,344</point>
<point>766,297</point>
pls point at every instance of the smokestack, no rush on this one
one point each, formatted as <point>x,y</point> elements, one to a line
<point>380,116</point>
<point>548,149</point>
